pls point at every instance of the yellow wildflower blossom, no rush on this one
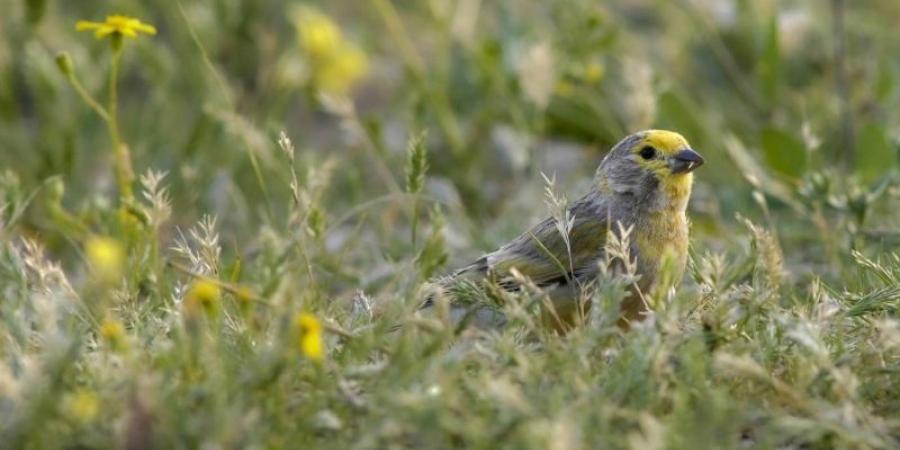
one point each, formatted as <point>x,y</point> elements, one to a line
<point>106,257</point>
<point>245,296</point>
<point>318,35</point>
<point>593,72</point>
<point>564,89</point>
<point>116,25</point>
<point>347,66</point>
<point>113,333</point>
<point>310,333</point>
<point>336,64</point>
<point>82,405</point>
<point>202,295</point>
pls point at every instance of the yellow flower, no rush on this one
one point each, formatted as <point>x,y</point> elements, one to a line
<point>245,296</point>
<point>82,405</point>
<point>564,89</point>
<point>113,332</point>
<point>310,332</point>
<point>116,25</point>
<point>593,72</point>
<point>202,295</point>
<point>318,35</point>
<point>339,73</point>
<point>106,257</point>
<point>336,63</point>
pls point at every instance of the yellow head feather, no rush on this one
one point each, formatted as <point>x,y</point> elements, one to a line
<point>665,142</point>
<point>677,186</point>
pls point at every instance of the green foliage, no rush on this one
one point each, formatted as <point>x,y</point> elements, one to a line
<point>169,319</point>
<point>433,255</point>
<point>784,152</point>
<point>877,155</point>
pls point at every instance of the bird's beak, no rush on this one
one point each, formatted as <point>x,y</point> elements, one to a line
<point>685,161</point>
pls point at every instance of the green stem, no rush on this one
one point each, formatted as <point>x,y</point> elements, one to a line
<point>124,172</point>
<point>94,104</point>
<point>223,88</point>
<point>415,216</point>
<point>436,95</point>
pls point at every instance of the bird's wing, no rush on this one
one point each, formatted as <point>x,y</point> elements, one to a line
<point>541,253</point>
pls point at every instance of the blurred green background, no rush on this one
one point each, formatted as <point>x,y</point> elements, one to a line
<point>769,91</point>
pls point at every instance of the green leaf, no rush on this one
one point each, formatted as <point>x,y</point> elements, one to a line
<point>784,152</point>
<point>675,114</point>
<point>875,154</point>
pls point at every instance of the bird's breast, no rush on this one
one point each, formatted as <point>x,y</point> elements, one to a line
<point>661,235</point>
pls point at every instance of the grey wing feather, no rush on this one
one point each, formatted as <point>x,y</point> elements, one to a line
<point>542,254</point>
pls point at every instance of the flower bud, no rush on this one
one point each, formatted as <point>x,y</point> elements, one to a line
<point>56,189</point>
<point>64,63</point>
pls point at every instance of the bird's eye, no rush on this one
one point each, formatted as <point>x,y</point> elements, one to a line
<point>648,152</point>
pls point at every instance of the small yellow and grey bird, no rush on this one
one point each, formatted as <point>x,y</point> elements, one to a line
<point>644,184</point>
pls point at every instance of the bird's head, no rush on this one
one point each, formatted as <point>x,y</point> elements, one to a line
<point>653,166</point>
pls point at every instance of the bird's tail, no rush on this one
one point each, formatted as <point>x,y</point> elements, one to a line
<point>463,296</point>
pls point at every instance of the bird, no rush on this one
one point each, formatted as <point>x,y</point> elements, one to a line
<point>641,188</point>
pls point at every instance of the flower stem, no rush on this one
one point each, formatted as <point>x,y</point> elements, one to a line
<point>124,172</point>
<point>94,104</point>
